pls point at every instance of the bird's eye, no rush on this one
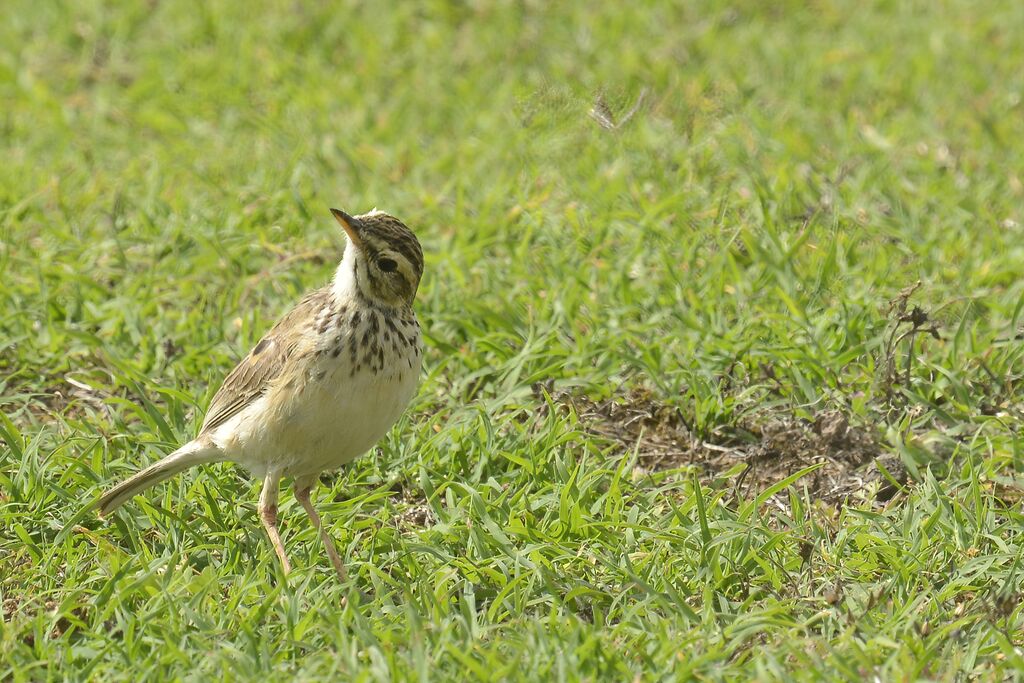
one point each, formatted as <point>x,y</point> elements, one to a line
<point>387,265</point>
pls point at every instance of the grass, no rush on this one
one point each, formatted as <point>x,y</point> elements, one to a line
<point>725,257</point>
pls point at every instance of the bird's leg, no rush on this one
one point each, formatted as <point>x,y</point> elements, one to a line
<point>268,514</point>
<point>302,491</point>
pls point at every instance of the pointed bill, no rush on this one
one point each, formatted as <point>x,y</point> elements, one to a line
<point>349,225</point>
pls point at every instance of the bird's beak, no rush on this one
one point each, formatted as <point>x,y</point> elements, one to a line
<point>349,224</point>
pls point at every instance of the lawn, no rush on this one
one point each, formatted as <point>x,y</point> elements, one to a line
<point>724,337</point>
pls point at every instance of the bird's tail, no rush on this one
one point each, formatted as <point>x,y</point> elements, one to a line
<point>192,453</point>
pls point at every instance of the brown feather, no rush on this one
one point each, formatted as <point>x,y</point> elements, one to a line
<point>252,376</point>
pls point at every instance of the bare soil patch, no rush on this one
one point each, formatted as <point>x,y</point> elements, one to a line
<point>770,444</point>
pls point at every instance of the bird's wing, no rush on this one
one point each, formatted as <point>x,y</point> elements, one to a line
<point>254,373</point>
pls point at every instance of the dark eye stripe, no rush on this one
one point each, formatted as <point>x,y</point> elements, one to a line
<point>410,252</point>
<point>386,232</point>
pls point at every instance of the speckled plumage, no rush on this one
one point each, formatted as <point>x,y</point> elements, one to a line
<point>323,385</point>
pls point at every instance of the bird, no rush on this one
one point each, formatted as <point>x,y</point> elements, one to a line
<point>327,382</point>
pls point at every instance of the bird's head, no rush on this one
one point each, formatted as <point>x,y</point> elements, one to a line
<point>383,260</point>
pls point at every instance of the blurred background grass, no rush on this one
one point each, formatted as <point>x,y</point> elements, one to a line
<point>732,246</point>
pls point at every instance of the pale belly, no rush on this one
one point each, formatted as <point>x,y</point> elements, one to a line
<point>319,424</point>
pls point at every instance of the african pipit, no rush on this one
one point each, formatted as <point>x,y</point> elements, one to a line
<point>327,381</point>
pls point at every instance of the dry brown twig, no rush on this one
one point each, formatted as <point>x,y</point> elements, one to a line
<point>919,322</point>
